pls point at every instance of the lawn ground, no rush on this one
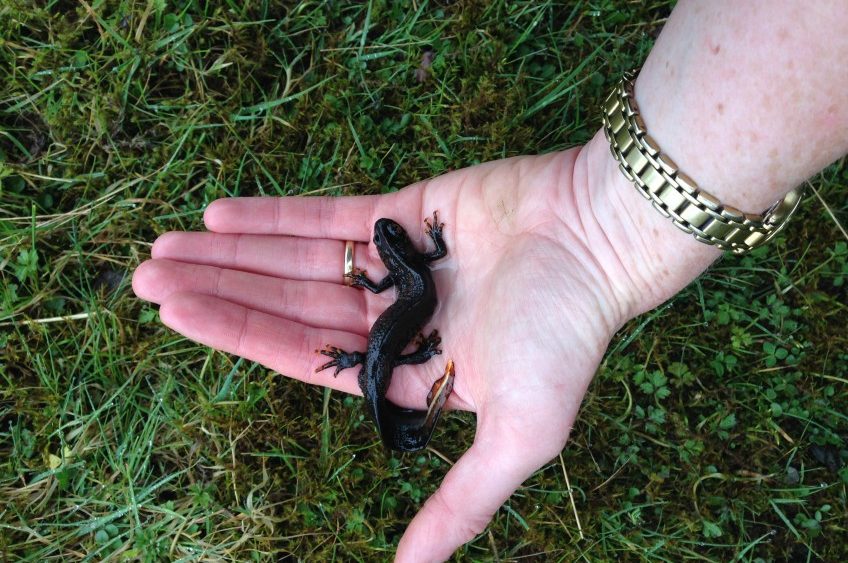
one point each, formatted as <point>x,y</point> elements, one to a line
<point>715,430</point>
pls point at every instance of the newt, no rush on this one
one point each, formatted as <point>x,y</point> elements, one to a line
<point>401,429</point>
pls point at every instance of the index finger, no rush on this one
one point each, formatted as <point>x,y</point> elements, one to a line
<point>341,218</point>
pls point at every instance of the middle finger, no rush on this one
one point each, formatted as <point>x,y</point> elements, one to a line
<point>316,304</point>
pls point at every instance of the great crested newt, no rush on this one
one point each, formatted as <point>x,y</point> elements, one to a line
<point>401,429</point>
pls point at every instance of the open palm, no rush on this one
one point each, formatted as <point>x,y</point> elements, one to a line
<point>524,311</point>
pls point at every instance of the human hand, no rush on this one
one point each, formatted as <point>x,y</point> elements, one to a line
<point>530,293</point>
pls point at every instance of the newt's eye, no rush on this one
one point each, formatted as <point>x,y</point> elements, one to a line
<point>393,229</point>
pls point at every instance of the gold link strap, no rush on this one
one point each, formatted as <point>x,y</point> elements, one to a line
<point>676,195</point>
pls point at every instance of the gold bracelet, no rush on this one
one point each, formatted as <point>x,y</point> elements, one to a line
<point>676,195</point>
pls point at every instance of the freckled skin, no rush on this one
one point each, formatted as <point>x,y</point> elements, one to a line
<point>409,271</point>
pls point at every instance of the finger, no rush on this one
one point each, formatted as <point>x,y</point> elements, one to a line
<point>317,304</point>
<point>342,218</point>
<point>474,488</point>
<point>285,257</point>
<point>285,346</point>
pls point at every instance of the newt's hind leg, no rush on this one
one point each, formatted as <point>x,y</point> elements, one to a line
<point>341,359</point>
<point>428,346</point>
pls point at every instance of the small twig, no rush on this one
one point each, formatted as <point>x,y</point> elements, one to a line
<point>494,547</point>
<point>783,433</point>
<point>829,212</point>
<point>611,477</point>
<point>93,16</point>
<point>571,497</point>
<point>440,455</point>
<point>50,319</point>
<point>140,29</point>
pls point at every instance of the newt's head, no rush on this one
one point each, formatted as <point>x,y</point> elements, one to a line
<point>392,242</point>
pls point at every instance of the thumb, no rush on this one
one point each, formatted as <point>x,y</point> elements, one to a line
<point>475,487</point>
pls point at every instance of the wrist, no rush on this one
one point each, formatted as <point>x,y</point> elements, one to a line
<point>644,256</point>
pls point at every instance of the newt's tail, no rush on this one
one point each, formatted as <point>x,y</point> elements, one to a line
<point>409,430</point>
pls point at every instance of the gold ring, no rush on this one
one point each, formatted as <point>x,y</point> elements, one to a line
<point>348,263</point>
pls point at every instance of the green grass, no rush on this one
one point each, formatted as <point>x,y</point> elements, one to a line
<point>715,430</point>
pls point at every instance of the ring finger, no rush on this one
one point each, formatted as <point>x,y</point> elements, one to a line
<point>280,256</point>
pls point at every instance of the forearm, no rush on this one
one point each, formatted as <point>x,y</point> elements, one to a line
<point>749,99</point>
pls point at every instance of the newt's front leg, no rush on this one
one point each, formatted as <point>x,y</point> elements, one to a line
<point>435,231</point>
<point>360,279</point>
<point>341,359</point>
